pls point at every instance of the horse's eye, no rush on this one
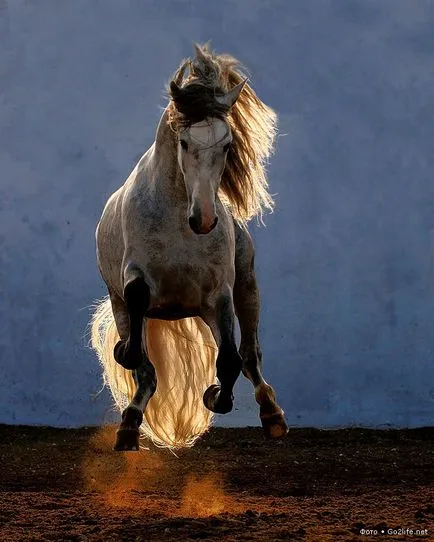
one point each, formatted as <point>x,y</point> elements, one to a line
<point>184,144</point>
<point>227,147</point>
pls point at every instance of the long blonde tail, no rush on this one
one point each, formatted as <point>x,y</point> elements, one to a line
<point>183,353</point>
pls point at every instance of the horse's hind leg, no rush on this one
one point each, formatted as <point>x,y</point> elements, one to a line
<point>130,352</point>
<point>246,300</point>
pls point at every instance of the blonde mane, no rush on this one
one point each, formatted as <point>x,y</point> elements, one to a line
<point>244,186</point>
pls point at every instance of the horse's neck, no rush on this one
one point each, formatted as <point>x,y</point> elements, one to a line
<point>167,174</point>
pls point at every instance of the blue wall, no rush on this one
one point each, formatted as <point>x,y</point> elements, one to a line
<point>346,263</point>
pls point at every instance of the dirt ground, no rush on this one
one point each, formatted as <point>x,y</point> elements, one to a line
<point>59,484</point>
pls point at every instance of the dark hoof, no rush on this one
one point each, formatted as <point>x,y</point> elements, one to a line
<point>216,402</point>
<point>127,440</point>
<point>124,357</point>
<point>274,425</point>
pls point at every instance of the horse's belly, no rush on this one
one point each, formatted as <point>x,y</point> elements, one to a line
<point>170,303</point>
<point>171,311</point>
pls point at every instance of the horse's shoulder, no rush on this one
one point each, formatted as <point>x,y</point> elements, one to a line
<point>242,235</point>
<point>244,249</point>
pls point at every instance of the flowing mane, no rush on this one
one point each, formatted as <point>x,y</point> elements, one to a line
<point>244,185</point>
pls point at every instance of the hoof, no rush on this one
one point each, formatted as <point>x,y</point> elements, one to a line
<point>124,358</point>
<point>127,440</point>
<point>274,425</point>
<point>214,401</point>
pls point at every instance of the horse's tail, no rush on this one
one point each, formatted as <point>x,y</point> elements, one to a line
<point>183,353</point>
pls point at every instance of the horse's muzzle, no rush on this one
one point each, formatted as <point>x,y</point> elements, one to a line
<point>199,227</point>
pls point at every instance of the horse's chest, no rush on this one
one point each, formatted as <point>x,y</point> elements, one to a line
<point>183,276</point>
<point>184,273</point>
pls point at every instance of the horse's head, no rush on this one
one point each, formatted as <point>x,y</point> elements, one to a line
<point>204,140</point>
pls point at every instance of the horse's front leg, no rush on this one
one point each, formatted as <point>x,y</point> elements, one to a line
<point>246,302</point>
<point>128,434</point>
<point>130,352</point>
<point>246,299</point>
<point>219,397</point>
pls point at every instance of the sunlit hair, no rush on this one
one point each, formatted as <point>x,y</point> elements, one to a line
<point>184,354</point>
<point>244,185</point>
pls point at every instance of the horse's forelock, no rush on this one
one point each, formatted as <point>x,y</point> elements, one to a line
<point>195,102</point>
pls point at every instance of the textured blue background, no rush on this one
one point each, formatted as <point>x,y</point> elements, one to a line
<point>346,261</point>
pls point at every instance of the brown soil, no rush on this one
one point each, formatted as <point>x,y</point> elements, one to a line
<point>59,484</point>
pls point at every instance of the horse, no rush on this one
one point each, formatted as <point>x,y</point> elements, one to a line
<point>174,251</point>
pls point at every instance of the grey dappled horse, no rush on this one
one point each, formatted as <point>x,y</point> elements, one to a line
<point>174,251</point>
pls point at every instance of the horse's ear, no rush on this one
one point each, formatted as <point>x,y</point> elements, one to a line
<point>175,90</point>
<point>179,77</point>
<point>232,96</point>
<point>199,52</point>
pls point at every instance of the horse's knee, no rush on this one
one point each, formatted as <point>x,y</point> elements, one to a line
<point>126,356</point>
<point>229,362</point>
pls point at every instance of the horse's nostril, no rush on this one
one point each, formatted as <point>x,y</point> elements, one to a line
<point>197,226</point>
<point>193,222</point>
